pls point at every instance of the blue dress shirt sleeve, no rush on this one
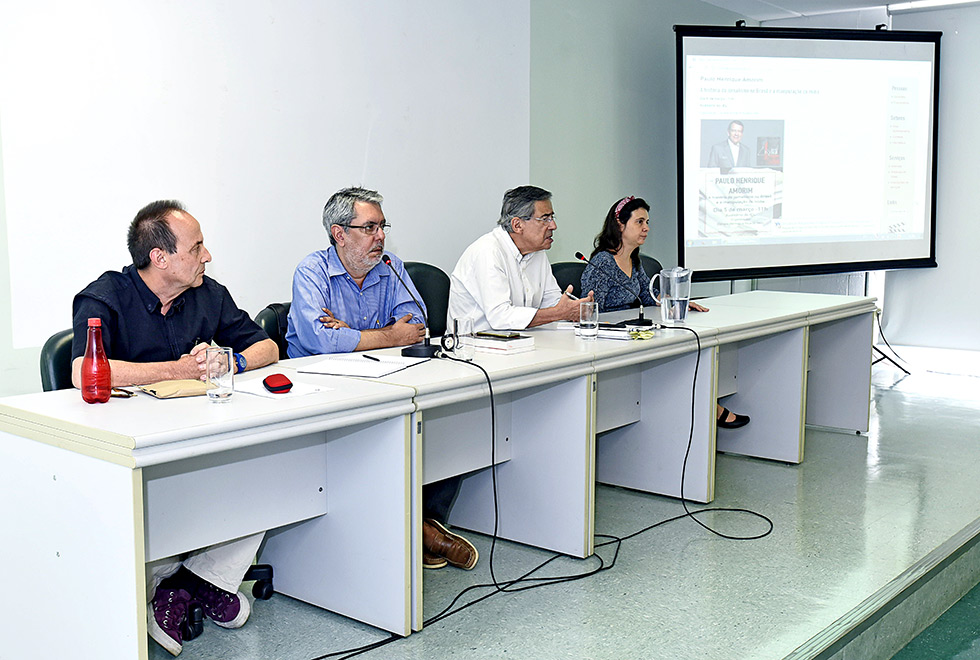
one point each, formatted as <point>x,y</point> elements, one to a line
<point>306,334</point>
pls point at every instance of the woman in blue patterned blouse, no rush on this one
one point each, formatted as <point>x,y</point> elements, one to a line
<point>614,272</point>
<point>617,278</point>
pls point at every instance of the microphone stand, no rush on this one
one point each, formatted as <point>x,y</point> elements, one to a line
<point>424,349</point>
<point>640,320</point>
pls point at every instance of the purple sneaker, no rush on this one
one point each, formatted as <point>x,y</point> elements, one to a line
<point>166,616</point>
<point>228,610</point>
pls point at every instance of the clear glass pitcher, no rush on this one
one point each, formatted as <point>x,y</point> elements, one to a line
<point>675,294</point>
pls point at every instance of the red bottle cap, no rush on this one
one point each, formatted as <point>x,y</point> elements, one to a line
<point>95,323</point>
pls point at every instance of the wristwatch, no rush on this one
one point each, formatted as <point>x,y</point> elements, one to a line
<point>240,363</point>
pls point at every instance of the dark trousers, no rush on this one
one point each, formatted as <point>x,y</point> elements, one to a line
<point>438,498</point>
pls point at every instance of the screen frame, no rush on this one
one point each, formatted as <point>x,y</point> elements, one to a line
<point>819,268</point>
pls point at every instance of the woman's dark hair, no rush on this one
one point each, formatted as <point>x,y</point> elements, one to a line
<point>610,239</point>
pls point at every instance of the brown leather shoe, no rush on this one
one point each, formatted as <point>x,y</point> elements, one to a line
<point>438,540</point>
<point>430,560</point>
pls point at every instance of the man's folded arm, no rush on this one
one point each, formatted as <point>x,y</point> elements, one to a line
<point>307,307</point>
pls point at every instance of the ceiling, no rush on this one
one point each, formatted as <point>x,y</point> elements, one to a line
<point>769,10</point>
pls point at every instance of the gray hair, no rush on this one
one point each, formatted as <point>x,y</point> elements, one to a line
<point>519,203</point>
<point>339,209</point>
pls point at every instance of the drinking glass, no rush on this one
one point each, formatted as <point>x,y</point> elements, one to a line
<point>220,373</point>
<point>588,319</point>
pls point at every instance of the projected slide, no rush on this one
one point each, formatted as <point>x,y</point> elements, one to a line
<point>805,156</point>
<point>739,182</point>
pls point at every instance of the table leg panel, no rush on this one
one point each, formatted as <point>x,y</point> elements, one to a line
<point>839,380</point>
<point>72,525</point>
<point>648,455</point>
<point>772,391</point>
<point>332,561</point>
<point>545,493</point>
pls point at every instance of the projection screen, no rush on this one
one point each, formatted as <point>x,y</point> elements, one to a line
<point>805,151</point>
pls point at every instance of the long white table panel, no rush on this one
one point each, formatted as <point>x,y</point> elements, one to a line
<point>132,480</point>
<point>840,330</point>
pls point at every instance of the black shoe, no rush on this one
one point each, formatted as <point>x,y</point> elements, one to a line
<point>737,423</point>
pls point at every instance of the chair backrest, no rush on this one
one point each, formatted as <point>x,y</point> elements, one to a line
<point>569,272</point>
<point>650,265</point>
<point>272,319</point>
<point>433,286</point>
<point>56,361</point>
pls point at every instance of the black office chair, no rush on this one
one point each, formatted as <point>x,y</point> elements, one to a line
<point>433,286</point>
<point>569,272</point>
<point>56,375</point>
<point>272,319</point>
<point>56,361</point>
<point>650,265</point>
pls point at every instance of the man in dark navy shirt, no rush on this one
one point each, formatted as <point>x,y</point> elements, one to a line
<point>161,312</point>
<point>158,315</point>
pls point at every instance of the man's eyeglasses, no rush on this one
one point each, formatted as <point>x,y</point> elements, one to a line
<point>544,218</point>
<point>372,228</point>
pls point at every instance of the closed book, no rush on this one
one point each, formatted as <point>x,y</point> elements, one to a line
<point>503,342</point>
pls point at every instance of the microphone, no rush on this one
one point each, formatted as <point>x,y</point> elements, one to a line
<point>424,349</point>
<point>639,320</point>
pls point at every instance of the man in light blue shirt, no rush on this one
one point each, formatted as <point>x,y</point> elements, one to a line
<point>344,298</point>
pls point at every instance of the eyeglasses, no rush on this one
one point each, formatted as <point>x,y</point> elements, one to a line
<point>372,228</point>
<point>544,218</point>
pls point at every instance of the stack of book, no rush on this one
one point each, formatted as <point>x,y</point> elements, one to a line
<point>503,342</point>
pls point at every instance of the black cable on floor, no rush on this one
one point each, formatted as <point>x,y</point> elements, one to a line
<point>350,653</point>
<point>508,586</point>
<point>690,440</point>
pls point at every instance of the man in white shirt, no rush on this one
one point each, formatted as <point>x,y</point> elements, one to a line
<point>503,280</point>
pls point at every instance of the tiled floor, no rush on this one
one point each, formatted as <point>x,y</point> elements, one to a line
<point>857,513</point>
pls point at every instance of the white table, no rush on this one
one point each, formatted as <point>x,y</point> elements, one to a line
<point>643,409</point>
<point>92,492</point>
<point>785,359</point>
<point>544,447</point>
<point>840,332</point>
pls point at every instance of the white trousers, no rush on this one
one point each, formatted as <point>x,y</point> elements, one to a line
<point>223,564</point>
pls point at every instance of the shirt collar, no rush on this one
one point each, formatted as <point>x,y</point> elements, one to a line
<point>149,300</point>
<point>508,245</point>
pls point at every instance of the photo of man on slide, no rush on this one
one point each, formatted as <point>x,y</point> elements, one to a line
<point>730,153</point>
<point>740,188</point>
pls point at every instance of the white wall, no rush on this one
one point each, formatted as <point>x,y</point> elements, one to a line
<point>603,122</point>
<point>440,105</point>
<point>252,113</point>
<point>938,307</point>
<point>603,112</point>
